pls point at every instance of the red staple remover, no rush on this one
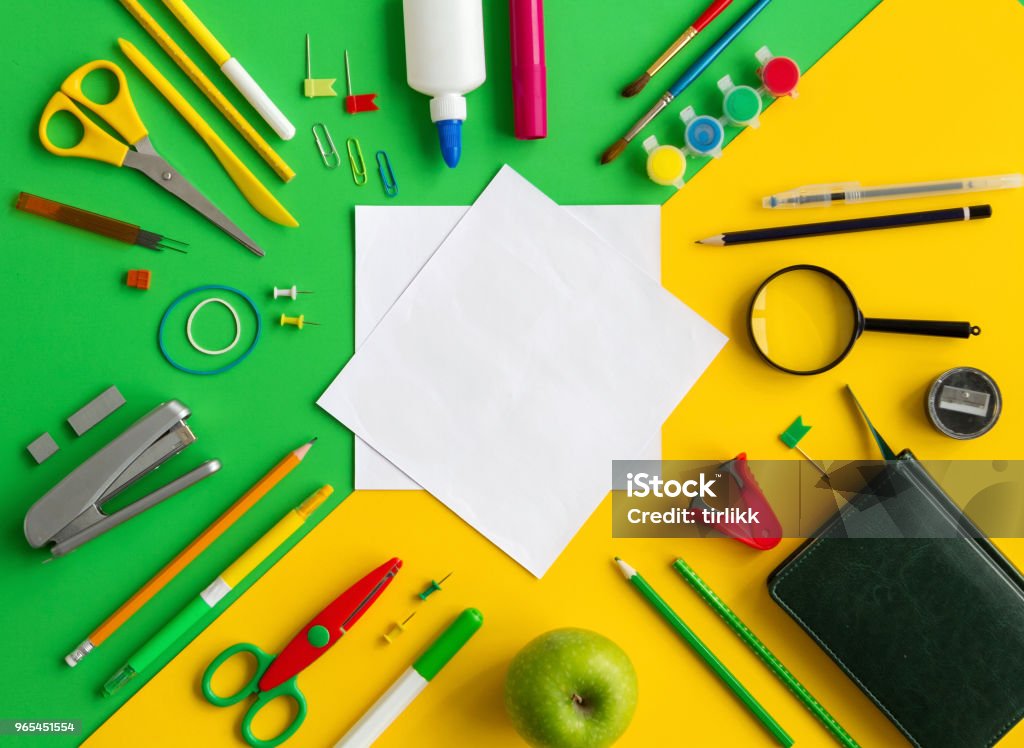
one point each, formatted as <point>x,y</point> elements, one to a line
<point>762,534</point>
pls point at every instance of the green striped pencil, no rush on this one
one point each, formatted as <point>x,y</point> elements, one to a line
<point>706,654</point>
<point>767,656</point>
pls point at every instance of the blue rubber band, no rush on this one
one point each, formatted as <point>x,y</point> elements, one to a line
<point>226,367</point>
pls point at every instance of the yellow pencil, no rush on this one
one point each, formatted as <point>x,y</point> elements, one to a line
<point>205,606</point>
<point>233,69</point>
<point>211,92</point>
<point>254,191</point>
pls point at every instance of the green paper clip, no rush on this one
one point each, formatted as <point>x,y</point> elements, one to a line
<point>356,161</point>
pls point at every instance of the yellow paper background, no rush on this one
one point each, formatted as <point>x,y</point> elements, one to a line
<point>918,91</point>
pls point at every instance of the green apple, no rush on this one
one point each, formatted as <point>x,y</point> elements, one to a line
<point>571,688</point>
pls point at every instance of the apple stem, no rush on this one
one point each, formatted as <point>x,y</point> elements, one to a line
<point>577,699</point>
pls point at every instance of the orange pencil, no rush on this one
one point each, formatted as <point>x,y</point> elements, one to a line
<point>183,559</point>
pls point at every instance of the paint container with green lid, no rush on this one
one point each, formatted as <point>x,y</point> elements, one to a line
<point>742,104</point>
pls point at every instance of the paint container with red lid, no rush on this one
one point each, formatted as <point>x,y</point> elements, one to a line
<point>779,75</point>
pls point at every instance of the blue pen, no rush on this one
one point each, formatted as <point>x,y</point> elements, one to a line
<point>691,74</point>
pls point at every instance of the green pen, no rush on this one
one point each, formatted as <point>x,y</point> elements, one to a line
<point>208,605</point>
<point>410,683</point>
<point>767,656</point>
<point>706,654</point>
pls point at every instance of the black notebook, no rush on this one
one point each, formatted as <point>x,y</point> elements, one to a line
<point>917,607</point>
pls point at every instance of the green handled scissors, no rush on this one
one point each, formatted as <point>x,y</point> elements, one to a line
<point>275,676</point>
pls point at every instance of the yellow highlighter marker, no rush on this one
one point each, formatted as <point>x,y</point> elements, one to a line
<point>233,69</point>
<point>206,605</point>
<point>251,187</point>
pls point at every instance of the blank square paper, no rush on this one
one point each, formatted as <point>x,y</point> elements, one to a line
<point>394,242</point>
<point>525,357</point>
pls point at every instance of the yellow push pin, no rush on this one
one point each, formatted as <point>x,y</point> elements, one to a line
<point>296,321</point>
<point>666,164</point>
<point>397,629</point>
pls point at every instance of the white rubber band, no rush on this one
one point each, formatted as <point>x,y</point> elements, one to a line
<point>188,327</point>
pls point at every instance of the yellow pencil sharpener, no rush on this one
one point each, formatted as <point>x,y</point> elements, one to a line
<point>666,164</point>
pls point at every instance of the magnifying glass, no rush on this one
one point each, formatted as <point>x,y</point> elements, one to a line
<point>804,320</point>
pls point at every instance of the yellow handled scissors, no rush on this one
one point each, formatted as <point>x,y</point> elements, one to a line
<point>120,114</point>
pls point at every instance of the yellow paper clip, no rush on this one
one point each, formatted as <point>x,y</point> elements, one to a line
<point>329,155</point>
<point>356,161</point>
<point>387,174</point>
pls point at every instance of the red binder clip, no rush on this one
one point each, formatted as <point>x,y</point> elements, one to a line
<point>765,532</point>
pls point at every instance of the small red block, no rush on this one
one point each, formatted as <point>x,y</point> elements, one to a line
<point>139,279</point>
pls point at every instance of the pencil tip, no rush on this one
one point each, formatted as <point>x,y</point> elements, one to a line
<point>636,86</point>
<point>613,152</point>
<point>302,451</point>
<point>627,571</point>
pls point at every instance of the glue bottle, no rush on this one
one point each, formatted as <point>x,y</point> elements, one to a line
<point>444,59</point>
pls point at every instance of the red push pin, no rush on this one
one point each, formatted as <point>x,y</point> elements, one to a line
<point>358,103</point>
<point>779,75</point>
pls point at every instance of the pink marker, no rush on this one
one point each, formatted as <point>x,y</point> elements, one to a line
<point>529,72</point>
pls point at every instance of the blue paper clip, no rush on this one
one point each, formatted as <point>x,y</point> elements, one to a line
<point>387,174</point>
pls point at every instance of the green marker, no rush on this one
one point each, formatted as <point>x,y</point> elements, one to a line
<point>761,650</point>
<point>209,604</point>
<point>706,654</point>
<point>409,685</point>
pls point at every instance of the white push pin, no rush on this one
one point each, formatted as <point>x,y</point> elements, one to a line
<point>290,293</point>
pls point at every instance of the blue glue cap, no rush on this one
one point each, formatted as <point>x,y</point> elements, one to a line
<point>449,131</point>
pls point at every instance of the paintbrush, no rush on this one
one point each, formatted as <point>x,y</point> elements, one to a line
<point>709,14</point>
<point>691,74</point>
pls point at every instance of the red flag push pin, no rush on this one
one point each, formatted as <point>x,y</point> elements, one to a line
<point>357,103</point>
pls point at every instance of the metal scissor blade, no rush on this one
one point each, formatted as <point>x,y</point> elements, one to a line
<point>367,601</point>
<point>147,161</point>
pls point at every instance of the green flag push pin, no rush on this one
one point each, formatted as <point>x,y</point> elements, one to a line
<point>791,438</point>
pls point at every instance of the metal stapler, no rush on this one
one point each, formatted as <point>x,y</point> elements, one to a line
<point>71,513</point>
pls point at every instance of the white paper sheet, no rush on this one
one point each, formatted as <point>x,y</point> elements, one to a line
<point>525,357</point>
<point>393,243</point>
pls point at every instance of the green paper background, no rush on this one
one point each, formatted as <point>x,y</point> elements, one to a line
<point>73,328</point>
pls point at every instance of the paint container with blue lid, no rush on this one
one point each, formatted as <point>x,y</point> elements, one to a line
<point>704,135</point>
